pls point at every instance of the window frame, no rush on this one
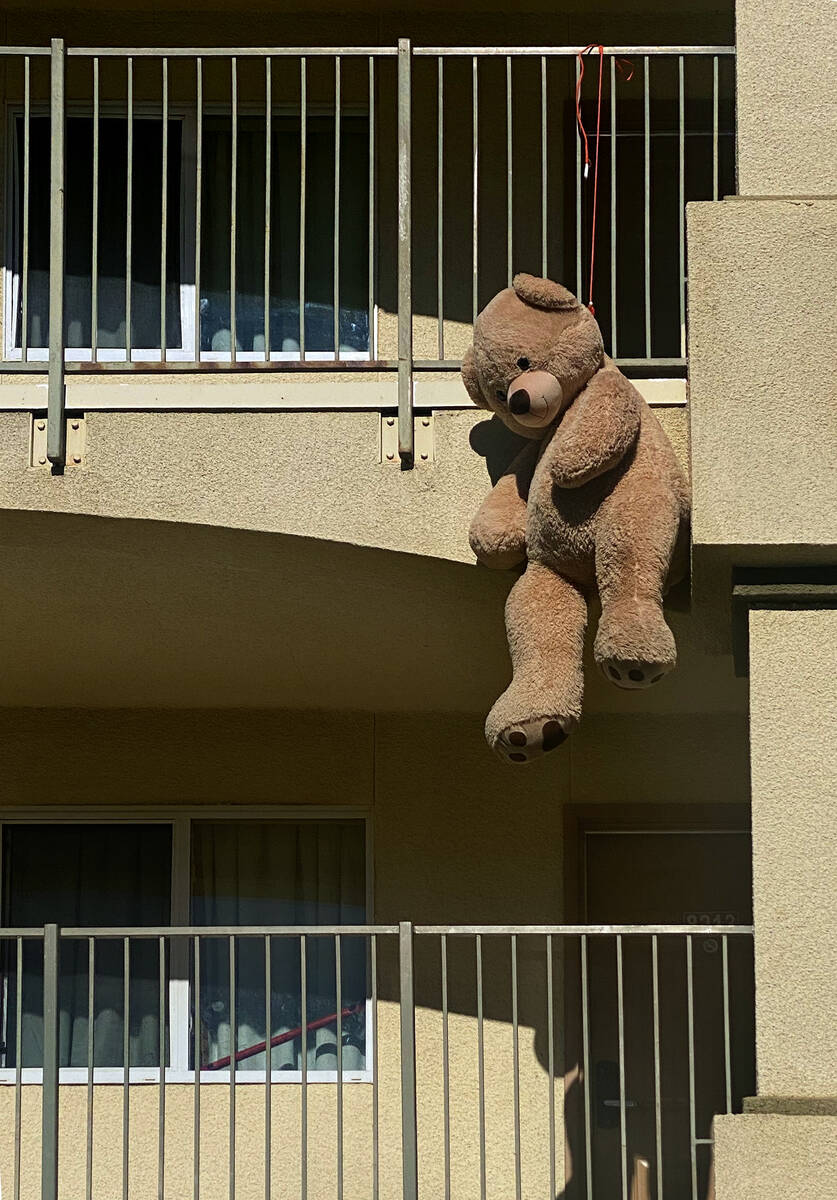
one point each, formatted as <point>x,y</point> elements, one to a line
<point>179,999</point>
<point>189,350</point>
<point>12,281</point>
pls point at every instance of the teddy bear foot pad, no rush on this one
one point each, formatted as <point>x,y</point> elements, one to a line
<point>525,741</point>
<point>633,674</point>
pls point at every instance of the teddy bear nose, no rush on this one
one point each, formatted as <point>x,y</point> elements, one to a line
<point>519,402</point>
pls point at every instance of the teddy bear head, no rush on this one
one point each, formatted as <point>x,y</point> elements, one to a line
<point>535,347</point>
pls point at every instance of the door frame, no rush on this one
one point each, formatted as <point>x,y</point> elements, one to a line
<point>582,819</point>
<point>579,821</point>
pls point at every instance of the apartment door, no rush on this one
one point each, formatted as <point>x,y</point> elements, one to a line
<point>662,876</point>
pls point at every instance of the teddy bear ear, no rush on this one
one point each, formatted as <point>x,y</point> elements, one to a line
<point>471,379</point>
<point>543,293</point>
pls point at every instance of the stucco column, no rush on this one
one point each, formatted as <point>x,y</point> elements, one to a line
<point>793,757</point>
<point>786,59</point>
<point>785,1146</point>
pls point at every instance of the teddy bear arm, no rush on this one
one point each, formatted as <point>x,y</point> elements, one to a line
<point>498,531</point>
<point>598,430</point>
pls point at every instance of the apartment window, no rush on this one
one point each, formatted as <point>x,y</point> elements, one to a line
<point>235,872</point>
<point>214,310</point>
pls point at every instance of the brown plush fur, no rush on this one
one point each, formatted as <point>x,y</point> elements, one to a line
<point>597,501</point>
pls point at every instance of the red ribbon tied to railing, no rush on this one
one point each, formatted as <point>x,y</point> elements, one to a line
<point>626,68</point>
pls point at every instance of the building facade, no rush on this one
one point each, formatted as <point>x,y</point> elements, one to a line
<point>248,814</point>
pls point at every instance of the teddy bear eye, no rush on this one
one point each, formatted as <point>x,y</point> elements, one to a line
<point>501,395</point>
<point>523,363</point>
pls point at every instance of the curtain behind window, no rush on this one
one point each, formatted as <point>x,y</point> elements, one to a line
<point>87,875</point>
<point>146,232</point>
<point>280,873</point>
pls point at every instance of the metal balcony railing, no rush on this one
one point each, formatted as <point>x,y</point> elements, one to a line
<point>343,208</point>
<point>424,1061</point>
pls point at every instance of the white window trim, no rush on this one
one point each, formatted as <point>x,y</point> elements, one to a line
<point>179,992</point>
<point>188,350</point>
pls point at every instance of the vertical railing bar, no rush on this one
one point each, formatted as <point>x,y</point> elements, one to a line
<point>647,198</point>
<point>161,1111</point>
<point>126,1063</point>
<point>481,1066</point>
<point>164,204</point>
<point>233,202</point>
<point>544,169</point>
<point>94,263</point>
<point>585,1034</point>
<point>614,340</point>
<point>24,266</point>
<point>715,127</point>
<point>338,989</point>
<point>518,1185</point>
<point>19,1062</point>
<point>445,1060</point>
<point>198,205</point>
<point>196,1031</point>
<point>727,1057</point>
<point>407,1008</point>
<point>233,1048</point>
<point>440,201</point>
<point>509,184</point>
<point>303,164</point>
<point>336,217</point>
<point>268,136</point>
<point>681,195</point>
<point>129,211</point>
<point>49,1088</point>
<point>303,1062</point>
<point>406,435</point>
<point>475,126</point>
<point>691,1026</point>
<point>550,1037</point>
<point>268,1062</point>
<point>375,1097</point>
<point>620,1009</point>
<point>56,397</point>
<point>658,1118</point>
<point>371,213</point>
<point>578,263</point>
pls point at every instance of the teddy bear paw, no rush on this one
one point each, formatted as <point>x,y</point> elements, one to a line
<point>524,741</point>
<point>633,674</point>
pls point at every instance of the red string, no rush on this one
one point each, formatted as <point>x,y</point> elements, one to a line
<point>620,65</point>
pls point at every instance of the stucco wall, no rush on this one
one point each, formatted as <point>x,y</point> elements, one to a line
<point>793,699</point>
<point>787,107</point>
<point>763,363</point>
<point>775,1158</point>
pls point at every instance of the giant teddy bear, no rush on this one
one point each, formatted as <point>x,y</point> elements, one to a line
<point>596,500</point>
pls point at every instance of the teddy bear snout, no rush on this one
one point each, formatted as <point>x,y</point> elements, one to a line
<point>534,398</point>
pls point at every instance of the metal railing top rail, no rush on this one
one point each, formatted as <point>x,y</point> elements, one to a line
<point>231,51</point>
<point>352,51</point>
<point>457,930</point>
<point>580,930</point>
<point>571,51</point>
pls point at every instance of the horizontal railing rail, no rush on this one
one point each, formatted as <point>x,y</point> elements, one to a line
<point>484,1046</point>
<point>290,208</point>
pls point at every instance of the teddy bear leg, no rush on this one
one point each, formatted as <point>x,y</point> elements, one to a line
<point>545,621</point>
<point>634,646</point>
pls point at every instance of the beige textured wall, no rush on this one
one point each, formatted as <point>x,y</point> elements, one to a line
<point>787,105</point>
<point>775,1158</point>
<point>793,699</point>
<point>763,404</point>
<point>311,474</point>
